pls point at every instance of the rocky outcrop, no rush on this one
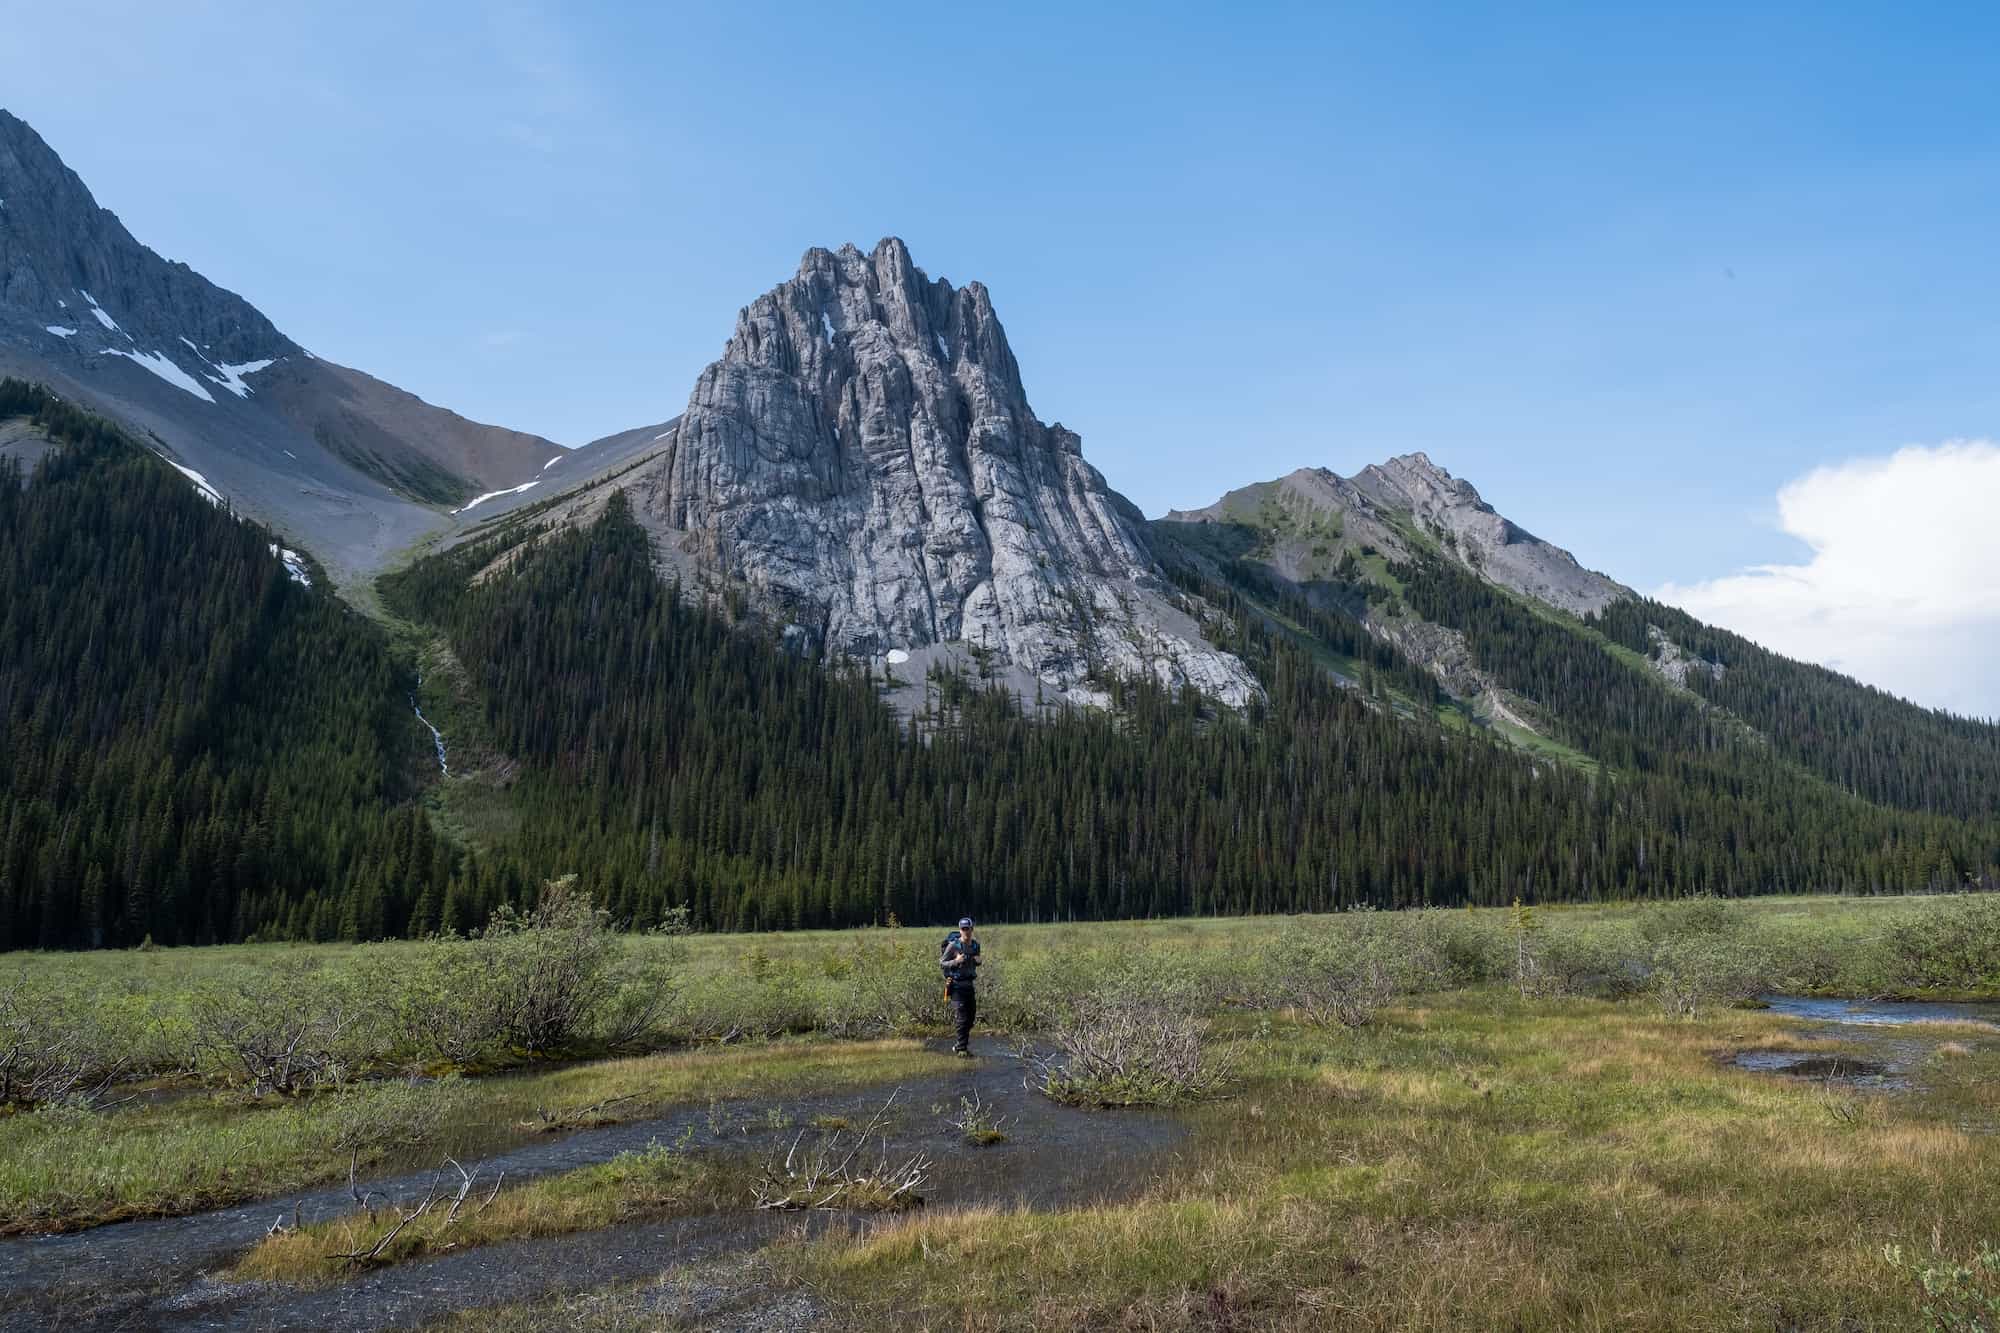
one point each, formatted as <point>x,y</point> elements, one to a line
<point>863,459</point>
<point>1674,662</point>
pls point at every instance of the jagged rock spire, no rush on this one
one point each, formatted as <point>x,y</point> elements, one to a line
<point>864,457</point>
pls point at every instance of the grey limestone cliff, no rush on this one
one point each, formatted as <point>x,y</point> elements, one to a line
<point>863,459</point>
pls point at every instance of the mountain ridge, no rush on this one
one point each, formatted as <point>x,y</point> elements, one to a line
<point>338,460</point>
<point>1446,509</point>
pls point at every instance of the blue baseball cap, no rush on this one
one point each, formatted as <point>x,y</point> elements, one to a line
<point>965,923</point>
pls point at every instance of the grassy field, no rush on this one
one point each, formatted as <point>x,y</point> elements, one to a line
<point>1430,1119</point>
<point>1844,923</point>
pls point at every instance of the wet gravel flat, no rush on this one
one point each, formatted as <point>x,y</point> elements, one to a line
<point>151,1274</point>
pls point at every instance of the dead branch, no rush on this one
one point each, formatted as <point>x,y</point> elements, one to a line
<point>361,1197</point>
<point>575,1117</point>
<point>406,1218</point>
<point>827,1175</point>
<point>403,1221</point>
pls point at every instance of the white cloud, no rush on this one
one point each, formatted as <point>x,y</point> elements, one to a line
<point>1903,586</point>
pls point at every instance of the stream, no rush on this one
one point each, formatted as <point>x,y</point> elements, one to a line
<point>437,737</point>
<point>1889,1033</point>
<point>153,1274</point>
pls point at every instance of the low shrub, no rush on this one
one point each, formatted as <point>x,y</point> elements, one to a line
<point>540,982</point>
<point>1952,946</point>
<point>1042,990</point>
<point>642,995</point>
<point>448,1004</point>
<point>1811,961</point>
<point>296,1027</point>
<point>771,1002</point>
<point>1570,961</point>
<point>887,984</point>
<point>977,1124</point>
<point>550,967</point>
<point>1952,1295</point>
<point>1341,973</point>
<point>1700,971</point>
<point>52,1047</point>
<point>1700,914</point>
<point>1453,949</point>
<point>1134,1051</point>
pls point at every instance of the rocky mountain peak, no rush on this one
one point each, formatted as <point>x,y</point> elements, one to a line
<point>72,265</point>
<point>844,307</point>
<point>1380,505</point>
<point>863,457</point>
<point>339,462</point>
<point>1413,481</point>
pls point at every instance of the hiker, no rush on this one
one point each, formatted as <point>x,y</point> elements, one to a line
<point>960,961</point>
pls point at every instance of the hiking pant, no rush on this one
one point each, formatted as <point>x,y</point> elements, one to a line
<point>964,1008</point>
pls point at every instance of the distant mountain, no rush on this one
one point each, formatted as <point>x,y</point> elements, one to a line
<point>340,462</point>
<point>863,464</point>
<point>1555,658</point>
<point>1337,540</point>
<point>1397,508</point>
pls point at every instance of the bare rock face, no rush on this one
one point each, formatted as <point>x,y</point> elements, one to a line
<point>341,463</point>
<point>1301,517</point>
<point>864,459</point>
<point>1676,663</point>
<point>1450,510</point>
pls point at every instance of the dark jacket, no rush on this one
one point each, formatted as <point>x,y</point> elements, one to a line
<point>960,960</point>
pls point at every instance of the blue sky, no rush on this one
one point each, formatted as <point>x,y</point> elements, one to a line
<point>1634,273</point>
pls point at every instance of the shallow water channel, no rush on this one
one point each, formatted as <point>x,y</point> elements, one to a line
<point>1889,1034</point>
<point>151,1274</point>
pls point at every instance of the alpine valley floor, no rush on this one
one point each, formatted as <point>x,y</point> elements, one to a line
<point>1500,1136</point>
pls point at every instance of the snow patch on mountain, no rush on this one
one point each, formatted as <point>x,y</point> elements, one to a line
<point>494,495</point>
<point>232,376</point>
<point>160,364</point>
<point>208,492</point>
<point>98,311</point>
<point>229,377</point>
<point>61,332</point>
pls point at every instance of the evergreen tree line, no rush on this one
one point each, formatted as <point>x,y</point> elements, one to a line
<point>198,748</point>
<point>676,759</point>
<point>1765,709</point>
<point>1862,738</point>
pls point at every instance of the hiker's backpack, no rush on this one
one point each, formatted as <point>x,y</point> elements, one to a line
<point>950,970</point>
